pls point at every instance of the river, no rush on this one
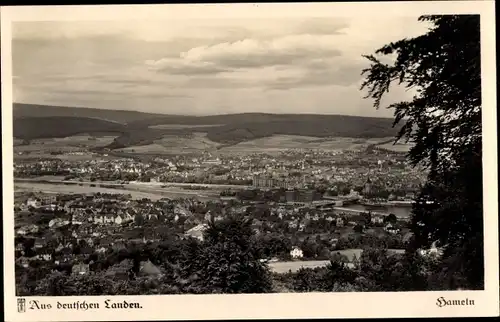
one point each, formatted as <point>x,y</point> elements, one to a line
<point>156,191</point>
<point>135,192</point>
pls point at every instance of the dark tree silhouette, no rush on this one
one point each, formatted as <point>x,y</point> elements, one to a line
<point>358,228</point>
<point>443,120</point>
<point>229,259</point>
<point>391,218</point>
<point>139,220</point>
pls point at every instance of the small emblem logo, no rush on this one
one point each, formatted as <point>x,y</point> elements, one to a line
<point>21,305</point>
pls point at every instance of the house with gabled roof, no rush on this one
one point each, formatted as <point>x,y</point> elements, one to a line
<point>197,231</point>
<point>19,247</point>
<point>390,228</point>
<point>98,219</point>
<point>121,270</point>
<point>128,216</point>
<point>35,203</point>
<point>101,250</point>
<point>108,219</point>
<point>39,243</point>
<point>28,229</point>
<point>377,220</point>
<point>149,269</point>
<point>23,261</point>
<point>118,219</point>
<point>296,252</point>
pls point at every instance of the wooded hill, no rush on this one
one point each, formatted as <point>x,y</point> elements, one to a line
<point>133,128</point>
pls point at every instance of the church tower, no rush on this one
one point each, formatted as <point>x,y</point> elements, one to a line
<point>367,189</point>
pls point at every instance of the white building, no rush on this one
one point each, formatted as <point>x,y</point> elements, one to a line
<point>33,203</point>
<point>197,231</point>
<point>432,251</point>
<point>377,219</point>
<point>296,253</point>
<point>391,229</point>
<point>118,220</point>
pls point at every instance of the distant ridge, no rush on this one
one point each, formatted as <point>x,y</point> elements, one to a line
<point>40,121</point>
<point>124,116</point>
<point>121,116</point>
<point>62,126</point>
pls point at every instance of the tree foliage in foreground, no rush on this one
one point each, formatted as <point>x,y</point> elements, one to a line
<point>443,120</point>
<point>229,261</point>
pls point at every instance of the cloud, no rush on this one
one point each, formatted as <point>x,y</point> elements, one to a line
<point>158,30</point>
<point>320,73</point>
<point>250,53</point>
<point>178,66</point>
<point>228,83</point>
<point>247,54</point>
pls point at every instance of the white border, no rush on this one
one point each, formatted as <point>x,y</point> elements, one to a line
<point>308,305</point>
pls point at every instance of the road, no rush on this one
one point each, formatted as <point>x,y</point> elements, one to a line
<point>285,267</point>
<point>294,266</point>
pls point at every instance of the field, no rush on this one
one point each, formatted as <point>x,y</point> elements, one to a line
<point>66,144</point>
<point>197,142</point>
<point>278,143</point>
<point>65,157</point>
<point>285,267</point>
<point>193,143</point>
<point>399,147</point>
<point>61,147</point>
<point>172,144</point>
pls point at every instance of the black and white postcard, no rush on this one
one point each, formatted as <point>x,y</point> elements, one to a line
<point>249,161</point>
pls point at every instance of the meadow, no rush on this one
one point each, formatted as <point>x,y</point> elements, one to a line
<point>197,142</point>
<point>274,144</point>
<point>398,147</point>
<point>294,266</point>
<point>174,144</point>
<point>279,143</point>
<point>65,144</point>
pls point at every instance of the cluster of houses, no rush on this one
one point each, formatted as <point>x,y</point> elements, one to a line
<point>121,270</point>
<point>97,220</point>
<point>298,217</point>
<point>104,209</point>
<point>115,210</point>
<point>125,165</point>
<point>318,168</point>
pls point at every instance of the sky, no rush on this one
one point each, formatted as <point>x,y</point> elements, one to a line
<point>205,66</point>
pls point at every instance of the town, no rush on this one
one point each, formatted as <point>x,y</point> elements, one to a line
<point>339,172</point>
<point>305,206</point>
